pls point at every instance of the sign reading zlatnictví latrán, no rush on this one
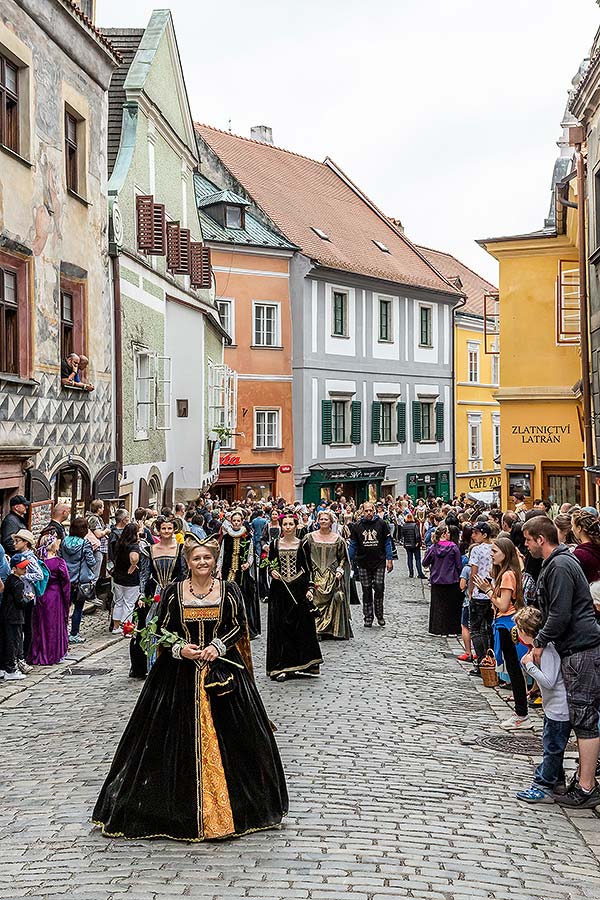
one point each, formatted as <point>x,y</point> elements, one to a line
<point>541,434</point>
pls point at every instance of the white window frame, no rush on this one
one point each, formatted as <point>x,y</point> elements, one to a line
<point>496,434</point>
<point>473,361</point>
<point>390,305</point>
<point>474,430</point>
<point>346,440</point>
<point>230,329</point>
<point>144,392</point>
<point>222,399</point>
<point>266,410</point>
<point>277,330</point>
<point>430,307</point>
<point>425,401</point>
<point>163,402</point>
<point>392,405</point>
<point>495,369</point>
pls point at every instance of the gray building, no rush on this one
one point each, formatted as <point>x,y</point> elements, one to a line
<point>371,321</point>
<point>56,439</point>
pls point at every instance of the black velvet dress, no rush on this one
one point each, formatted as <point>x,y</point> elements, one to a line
<point>292,644</point>
<point>198,760</point>
<point>237,548</point>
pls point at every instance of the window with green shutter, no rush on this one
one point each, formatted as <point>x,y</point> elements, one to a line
<point>439,421</point>
<point>375,421</point>
<point>426,421</point>
<point>326,431</point>
<point>417,421</point>
<point>385,431</point>
<point>355,422</point>
<point>401,413</point>
<point>338,421</point>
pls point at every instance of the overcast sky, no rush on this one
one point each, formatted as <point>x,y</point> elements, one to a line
<point>445,112</point>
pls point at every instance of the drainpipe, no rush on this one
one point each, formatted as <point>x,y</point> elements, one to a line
<point>460,304</point>
<point>588,435</point>
<point>118,361</point>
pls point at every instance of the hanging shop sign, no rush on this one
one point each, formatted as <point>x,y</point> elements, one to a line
<point>285,469</point>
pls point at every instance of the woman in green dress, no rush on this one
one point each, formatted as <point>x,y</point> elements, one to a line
<point>327,556</point>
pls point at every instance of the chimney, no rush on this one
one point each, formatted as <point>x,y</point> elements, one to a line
<point>262,133</point>
<point>88,8</point>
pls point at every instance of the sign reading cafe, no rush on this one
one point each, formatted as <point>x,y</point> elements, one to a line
<point>541,434</point>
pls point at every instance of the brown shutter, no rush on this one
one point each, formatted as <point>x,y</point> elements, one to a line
<point>200,265</point>
<point>145,222</point>
<point>184,251</point>
<point>158,224</point>
<point>168,491</point>
<point>144,493</point>
<point>173,245</point>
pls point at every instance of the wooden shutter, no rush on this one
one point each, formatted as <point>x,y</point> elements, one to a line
<point>145,222</point>
<point>167,497</point>
<point>173,246</point>
<point>355,422</point>
<point>401,432</point>
<point>184,252</point>
<point>375,421</point>
<point>439,421</point>
<point>417,421</point>
<point>326,429</point>
<point>143,493</point>
<point>151,226</point>
<point>201,270</point>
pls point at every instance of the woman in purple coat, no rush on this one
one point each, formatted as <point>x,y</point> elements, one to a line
<point>444,562</point>
<point>50,633</point>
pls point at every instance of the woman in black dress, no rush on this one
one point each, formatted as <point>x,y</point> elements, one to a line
<point>444,562</point>
<point>236,563</point>
<point>198,760</point>
<point>292,645</point>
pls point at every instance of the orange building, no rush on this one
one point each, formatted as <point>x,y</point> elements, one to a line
<point>251,266</point>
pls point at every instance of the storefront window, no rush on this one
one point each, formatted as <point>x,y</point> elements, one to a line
<point>71,486</point>
<point>261,491</point>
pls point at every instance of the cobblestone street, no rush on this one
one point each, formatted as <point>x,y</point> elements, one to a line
<point>390,794</point>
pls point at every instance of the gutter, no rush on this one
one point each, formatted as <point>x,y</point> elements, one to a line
<point>462,302</point>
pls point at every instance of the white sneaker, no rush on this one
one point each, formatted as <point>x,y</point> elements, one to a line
<point>517,723</point>
<point>14,676</point>
<point>24,667</point>
<point>117,631</point>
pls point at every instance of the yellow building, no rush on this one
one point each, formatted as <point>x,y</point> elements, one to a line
<point>477,412</point>
<point>540,365</point>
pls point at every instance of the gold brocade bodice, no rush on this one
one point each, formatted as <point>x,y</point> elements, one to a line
<point>288,564</point>
<point>200,622</point>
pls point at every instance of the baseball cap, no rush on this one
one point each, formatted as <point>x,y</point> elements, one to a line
<point>18,561</point>
<point>590,509</point>
<point>25,536</point>
<point>19,498</point>
<point>483,527</point>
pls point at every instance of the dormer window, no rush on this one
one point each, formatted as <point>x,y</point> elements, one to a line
<point>234,216</point>
<point>320,233</point>
<point>381,246</point>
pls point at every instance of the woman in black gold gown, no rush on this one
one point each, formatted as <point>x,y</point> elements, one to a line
<point>236,563</point>
<point>198,760</point>
<point>292,645</point>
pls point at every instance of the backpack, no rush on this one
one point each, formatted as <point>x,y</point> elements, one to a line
<point>40,586</point>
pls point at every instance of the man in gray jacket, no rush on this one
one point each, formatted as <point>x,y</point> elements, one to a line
<point>565,602</point>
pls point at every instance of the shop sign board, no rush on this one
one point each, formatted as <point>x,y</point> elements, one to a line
<point>40,514</point>
<point>357,474</point>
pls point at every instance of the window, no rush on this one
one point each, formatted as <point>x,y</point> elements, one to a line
<point>340,314</point>
<point>381,246</point>
<point>71,159</point>
<point>338,422</point>
<point>385,320</point>
<point>234,217</point>
<point>9,323</point>
<point>320,233</point>
<point>427,428</point>
<point>144,387</point>
<point>225,310</point>
<point>567,297</point>
<point>474,439</point>
<point>473,356</point>
<point>266,325</point>
<point>222,400</point>
<point>67,324</point>
<point>496,369</point>
<point>386,422</point>
<point>9,104</point>
<point>426,335</point>
<point>496,434</point>
<point>266,429</point>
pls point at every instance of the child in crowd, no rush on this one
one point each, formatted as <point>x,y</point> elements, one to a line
<point>464,618</point>
<point>12,619</point>
<point>549,778</point>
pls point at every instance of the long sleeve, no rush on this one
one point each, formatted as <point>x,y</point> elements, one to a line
<point>389,549</point>
<point>64,583</point>
<point>429,556</point>
<point>560,589</point>
<point>34,570</point>
<point>4,566</point>
<point>88,555</point>
<point>233,621</point>
<point>547,674</point>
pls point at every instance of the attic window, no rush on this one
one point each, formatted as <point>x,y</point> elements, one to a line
<point>320,233</point>
<point>234,216</point>
<point>381,246</point>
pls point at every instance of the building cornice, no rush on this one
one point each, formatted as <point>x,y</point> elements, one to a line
<point>541,392</point>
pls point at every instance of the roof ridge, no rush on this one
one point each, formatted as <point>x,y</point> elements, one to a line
<point>250,140</point>
<point>456,259</point>
<point>77,11</point>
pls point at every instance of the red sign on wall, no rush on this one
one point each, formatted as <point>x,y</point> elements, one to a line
<point>230,460</point>
<point>285,469</point>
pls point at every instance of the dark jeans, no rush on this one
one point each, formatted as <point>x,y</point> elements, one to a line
<point>26,641</point>
<point>414,554</point>
<point>76,617</point>
<point>480,621</point>
<point>11,645</point>
<point>515,672</point>
<point>550,771</point>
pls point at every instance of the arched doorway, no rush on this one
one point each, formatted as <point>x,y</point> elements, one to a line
<point>71,485</point>
<point>155,490</point>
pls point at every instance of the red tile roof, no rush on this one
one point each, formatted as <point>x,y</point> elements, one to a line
<point>89,25</point>
<point>473,285</point>
<point>299,194</point>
